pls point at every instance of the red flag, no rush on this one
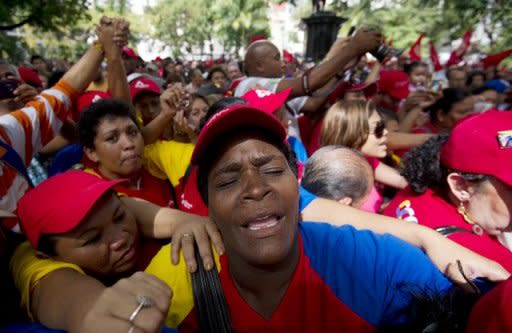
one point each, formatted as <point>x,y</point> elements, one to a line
<point>288,57</point>
<point>415,51</point>
<point>434,57</point>
<point>457,55</point>
<point>493,60</point>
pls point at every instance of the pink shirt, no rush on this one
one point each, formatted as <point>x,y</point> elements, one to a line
<point>375,199</point>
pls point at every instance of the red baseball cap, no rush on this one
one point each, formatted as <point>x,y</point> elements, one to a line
<point>86,99</point>
<point>55,206</point>
<point>30,76</point>
<point>144,84</point>
<point>234,117</point>
<point>394,83</point>
<point>266,100</point>
<point>129,52</point>
<point>369,90</point>
<point>481,144</point>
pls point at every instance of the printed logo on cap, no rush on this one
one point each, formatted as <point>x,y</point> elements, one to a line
<point>262,93</point>
<point>141,85</point>
<point>401,84</point>
<point>505,139</point>
<point>96,98</point>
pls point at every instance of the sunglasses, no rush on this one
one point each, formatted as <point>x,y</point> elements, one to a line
<point>379,129</point>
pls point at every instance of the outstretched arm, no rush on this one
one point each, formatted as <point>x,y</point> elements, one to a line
<point>442,251</point>
<point>343,52</point>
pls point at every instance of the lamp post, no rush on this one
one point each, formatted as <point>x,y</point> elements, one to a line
<point>322,29</point>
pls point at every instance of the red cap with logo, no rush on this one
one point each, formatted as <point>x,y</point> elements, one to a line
<point>55,206</point>
<point>266,100</point>
<point>394,83</point>
<point>242,115</point>
<point>144,84</point>
<point>86,99</point>
<point>481,144</point>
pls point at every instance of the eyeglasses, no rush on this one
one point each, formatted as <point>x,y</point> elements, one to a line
<point>379,129</point>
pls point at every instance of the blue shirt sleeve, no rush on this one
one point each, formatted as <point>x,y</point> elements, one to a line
<point>373,274</point>
<point>305,198</point>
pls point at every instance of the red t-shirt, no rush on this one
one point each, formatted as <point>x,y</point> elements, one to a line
<point>433,211</point>
<point>491,314</point>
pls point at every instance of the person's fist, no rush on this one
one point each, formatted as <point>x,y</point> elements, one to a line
<point>366,40</point>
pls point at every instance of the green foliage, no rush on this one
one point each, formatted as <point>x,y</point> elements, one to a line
<point>188,24</point>
<point>40,15</point>
<point>44,14</point>
<point>441,20</point>
<point>67,29</point>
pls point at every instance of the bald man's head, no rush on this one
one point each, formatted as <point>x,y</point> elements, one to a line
<point>263,59</point>
<point>338,173</point>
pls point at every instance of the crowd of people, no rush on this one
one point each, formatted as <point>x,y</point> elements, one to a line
<point>253,195</point>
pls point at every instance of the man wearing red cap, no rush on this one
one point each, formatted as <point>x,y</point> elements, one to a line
<point>130,59</point>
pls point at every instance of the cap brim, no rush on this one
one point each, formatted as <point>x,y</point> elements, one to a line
<point>78,209</point>
<point>401,93</point>
<point>268,104</point>
<point>368,90</point>
<point>232,118</point>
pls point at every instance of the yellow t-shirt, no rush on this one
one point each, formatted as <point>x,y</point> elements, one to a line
<point>168,159</point>
<point>100,87</point>
<point>28,270</point>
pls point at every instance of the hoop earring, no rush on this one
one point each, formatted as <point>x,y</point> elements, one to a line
<point>462,211</point>
<point>477,230</point>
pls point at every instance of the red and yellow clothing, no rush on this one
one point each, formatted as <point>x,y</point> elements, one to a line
<point>433,211</point>
<point>168,159</point>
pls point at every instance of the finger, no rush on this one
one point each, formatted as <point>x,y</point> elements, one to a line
<point>453,273</point>
<point>187,247</point>
<point>204,246</point>
<point>175,250</point>
<point>148,319</point>
<point>155,282</point>
<point>215,237</point>
<point>495,272</point>
<point>138,285</point>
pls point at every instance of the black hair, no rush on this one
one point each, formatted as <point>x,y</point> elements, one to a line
<point>36,57</point>
<point>409,67</point>
<point>472,75</point>
<point>210,156</point>
<point>450,97</point>
<point>47,244</point>
<point>214,70</point>
<point>423,167</point>
<point>211,306</point>
<point>429,312</point>
<point>91,116</point>
<point>55,76</point>
<point>387,114</point>
<point>452,69</point>
<point>480,90</point>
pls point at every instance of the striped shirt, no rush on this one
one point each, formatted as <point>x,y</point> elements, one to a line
<point>27,130</point>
